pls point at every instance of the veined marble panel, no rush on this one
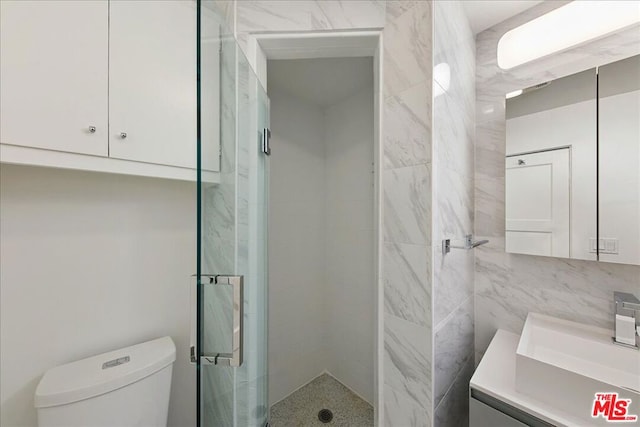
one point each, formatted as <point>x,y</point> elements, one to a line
<point>407,130</point>
<point>308,15</point>
<point>490,155</point>
<point>454,134</point>
<point>407,205</point>
<point>397,8</point>
<point>453,184</point>
<point>454,46</point>
<point>453,410</point>
<point>401,410</point>
<point>508,286</point>
<point>407,259</point>
<point>224,10</point>
<point>407,360</point>
<point>453,209</point>
<point>407,46</point>
<point>453,344</point>
<point>453,282</point>
<point>407,276</point>
<point>489,205</point>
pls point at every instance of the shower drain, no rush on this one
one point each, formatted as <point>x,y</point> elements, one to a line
<point>325,415</point>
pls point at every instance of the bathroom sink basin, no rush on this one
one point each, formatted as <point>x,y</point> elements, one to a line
<point>565,364</point>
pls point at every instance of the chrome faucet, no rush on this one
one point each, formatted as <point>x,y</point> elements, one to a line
<point>626,319</point>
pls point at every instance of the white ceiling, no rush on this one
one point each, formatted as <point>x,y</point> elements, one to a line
<point>483,14</point>
<point>320,81</point>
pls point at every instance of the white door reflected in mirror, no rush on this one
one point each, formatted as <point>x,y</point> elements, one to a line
<point>572,173</point>
<point>538,203</point>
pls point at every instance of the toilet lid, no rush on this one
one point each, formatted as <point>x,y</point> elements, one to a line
<point>103,373</point>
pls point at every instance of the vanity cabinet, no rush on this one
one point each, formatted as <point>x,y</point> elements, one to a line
<point>101,85</point>
<point>481,415</point>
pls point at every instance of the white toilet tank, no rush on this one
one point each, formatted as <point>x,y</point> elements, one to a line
<point>123,388</point>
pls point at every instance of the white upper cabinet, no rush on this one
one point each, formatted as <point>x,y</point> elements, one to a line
<point>152,82</point>
<point>107,86</point>
<point>54,75</point>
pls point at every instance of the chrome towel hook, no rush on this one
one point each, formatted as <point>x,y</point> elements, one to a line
<point>469,243</point>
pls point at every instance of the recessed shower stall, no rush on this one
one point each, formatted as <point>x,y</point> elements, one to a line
<point>321,240</point>
<point>286,295</point>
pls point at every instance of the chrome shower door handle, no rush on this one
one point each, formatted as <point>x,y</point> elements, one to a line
<point>235,358</point>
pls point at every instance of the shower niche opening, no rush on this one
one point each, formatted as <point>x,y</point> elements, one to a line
<point>322,239</point>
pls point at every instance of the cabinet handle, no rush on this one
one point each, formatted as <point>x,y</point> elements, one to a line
<point>92,129</point>
<point>123,135</point>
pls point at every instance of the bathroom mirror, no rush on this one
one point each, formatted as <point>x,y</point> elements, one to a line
<point>572,166</point>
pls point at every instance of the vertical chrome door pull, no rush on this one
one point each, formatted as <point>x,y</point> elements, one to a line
<point>235,358</point>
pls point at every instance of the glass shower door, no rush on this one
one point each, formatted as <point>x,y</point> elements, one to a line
<point>231,280</point>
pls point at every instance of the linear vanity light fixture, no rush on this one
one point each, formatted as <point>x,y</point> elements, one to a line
<point>469,243</point>
<point>565,27</point>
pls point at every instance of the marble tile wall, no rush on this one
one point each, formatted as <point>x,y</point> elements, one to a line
<point>453,201</point>
<point>225,11</point>
<point>406,253</point>
<point>220,247</point>
<point>263,16</point>
<point>233,243</point>
<point>508,286</point>
<point>406,175</point>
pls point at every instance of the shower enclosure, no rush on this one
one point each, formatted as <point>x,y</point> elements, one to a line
<point>230,343</point>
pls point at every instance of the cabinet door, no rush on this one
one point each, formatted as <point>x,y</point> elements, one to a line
<point>152,81</point>
<point>481,415</point>
<point>54,75</point>
<point>619,161</point>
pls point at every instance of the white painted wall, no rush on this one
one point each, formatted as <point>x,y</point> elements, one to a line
<point>297,344</point>
<point>91,262</point>
<point>321,277</point>
<point>349,234</point>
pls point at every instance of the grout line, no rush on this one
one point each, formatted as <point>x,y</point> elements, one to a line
<point>446,320</point>
<point>453,383</point>
<point>427,163</point>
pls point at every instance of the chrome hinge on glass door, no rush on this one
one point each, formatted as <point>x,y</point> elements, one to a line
<point>266,141</point>
<point>233,359</point>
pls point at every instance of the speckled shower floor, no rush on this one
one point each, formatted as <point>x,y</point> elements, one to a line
<point>301,408</point>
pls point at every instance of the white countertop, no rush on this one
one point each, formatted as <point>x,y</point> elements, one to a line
<point>496,377</point>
